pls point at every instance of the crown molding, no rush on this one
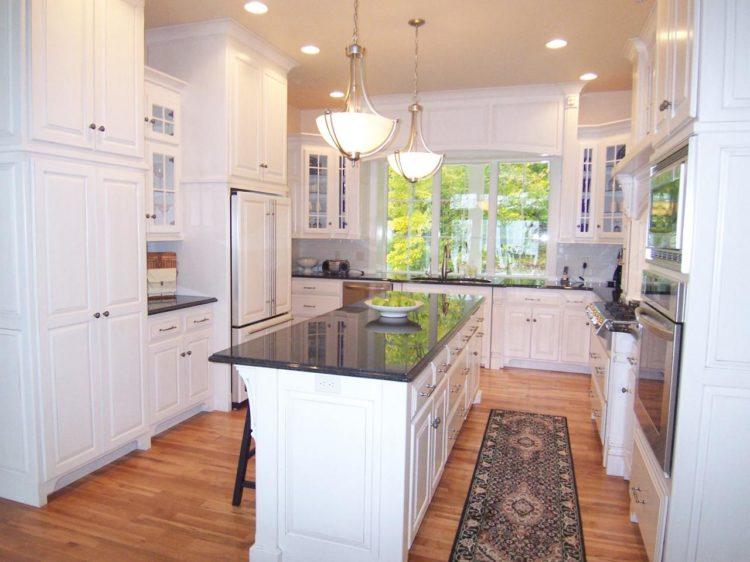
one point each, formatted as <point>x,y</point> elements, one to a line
<point>163,79</point>
<point>223,27</point>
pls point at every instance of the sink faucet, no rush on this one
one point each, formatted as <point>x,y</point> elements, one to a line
<point>445,267</point>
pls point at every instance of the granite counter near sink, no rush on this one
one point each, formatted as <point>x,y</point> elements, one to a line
<point>500,282</point>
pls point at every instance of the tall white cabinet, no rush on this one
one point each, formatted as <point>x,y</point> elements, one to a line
<point>73,295</point>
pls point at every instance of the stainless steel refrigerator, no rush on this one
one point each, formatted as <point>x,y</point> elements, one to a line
<point>261,269</point>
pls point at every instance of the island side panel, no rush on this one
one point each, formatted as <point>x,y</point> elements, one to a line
<point>339,470</point>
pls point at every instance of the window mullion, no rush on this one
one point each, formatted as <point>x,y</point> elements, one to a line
<point>435,227</point>
<point>492,219</point>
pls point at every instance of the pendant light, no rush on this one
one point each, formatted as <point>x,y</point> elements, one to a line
<point>415,161</point>
<point>358,131</point>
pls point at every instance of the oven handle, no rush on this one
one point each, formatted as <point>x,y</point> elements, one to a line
<point>648,321</point>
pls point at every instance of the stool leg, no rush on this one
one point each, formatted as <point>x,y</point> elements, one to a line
<point>245,453</point>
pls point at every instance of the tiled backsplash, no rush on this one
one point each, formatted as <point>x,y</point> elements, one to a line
<point>356,251</point>
<point>601,259</point>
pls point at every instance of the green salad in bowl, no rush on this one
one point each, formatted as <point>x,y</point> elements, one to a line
<point>394,304</point>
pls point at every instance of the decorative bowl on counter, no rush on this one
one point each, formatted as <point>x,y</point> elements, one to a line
<point>393,305</point>
<point>307,263</point>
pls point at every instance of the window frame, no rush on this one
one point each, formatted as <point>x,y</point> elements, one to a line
<point>494,164</point>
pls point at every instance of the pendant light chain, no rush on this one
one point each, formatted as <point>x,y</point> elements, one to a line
<point>355,34</point>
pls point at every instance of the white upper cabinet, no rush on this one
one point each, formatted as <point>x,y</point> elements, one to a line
<point>245,154</point>
<point>62,72</point>
<point>325,192</point>
<point>87,74</point>
<point>274,127</point>
<point>673,77</point>
<point>163,107</point>
<point>236,98</point>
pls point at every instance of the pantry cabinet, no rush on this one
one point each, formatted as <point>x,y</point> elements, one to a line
<point>325,189</point>
<point>86,74</point>
<point>91,289</point>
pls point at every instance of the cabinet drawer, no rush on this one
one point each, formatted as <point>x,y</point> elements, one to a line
<point>422,389</point>
<point>533,296</point>
<point>313,305</point>
<point>304,286</point>
<point>455,421</point>
<point>575,298</point>
<point>165,328</point>
<point>648,504</point>
<point>598,408</point>
<point>456,384</point>
<point>198,321</point>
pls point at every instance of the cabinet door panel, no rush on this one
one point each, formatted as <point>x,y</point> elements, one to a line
<point>283,276</point>
<point>163,184</point>
<point>662,79</point>
<point>119,77</point>
<point>576,335</point>
<point>251,301</point>
<point>681,58</point>
<point>71,386</point>
<point>62,71</point>
<point>198,349</point>
<point>517,331</point>
<point>66,241</point>
<point>420,470</point>
<point>439,431</point>
<point>122,367</point>
<point>545,335</point>
<point>164,372</point>
<point>164,113</point>
<point>245,122</point>
<point>121,242</point>
<point>274,127</point>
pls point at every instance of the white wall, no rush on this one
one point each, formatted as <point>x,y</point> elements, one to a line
<point>604,107</point>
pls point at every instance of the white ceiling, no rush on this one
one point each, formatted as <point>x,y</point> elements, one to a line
<point>465,44</point>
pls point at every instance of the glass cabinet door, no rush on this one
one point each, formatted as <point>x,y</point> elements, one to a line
<point>316,194</point>
<point>328,179</point>
<point>162,114</point>
<point>163,183</point>
<point>162,120</point>
<point>585,209</point>
<point>612,209</point>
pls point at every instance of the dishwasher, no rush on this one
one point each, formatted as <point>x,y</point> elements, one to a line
<point>355,291</point>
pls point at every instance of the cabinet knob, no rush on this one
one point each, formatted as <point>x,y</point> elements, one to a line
<point>106,313</point>
<point>96,315</point>
<point>102,128</point>
<point>189,352</point>
<point>92,126</point>
<point>436,423</point>
<point>624,390</point>
<point>182,354</point>
<point>263,165</point>
<point>528,320</point>
<point>534,319</point>
<point>145,119</point>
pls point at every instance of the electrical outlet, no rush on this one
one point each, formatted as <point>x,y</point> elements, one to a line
<point>330,384</point>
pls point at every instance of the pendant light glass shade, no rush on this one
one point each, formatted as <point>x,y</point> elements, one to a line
<point>415,161</point>
<point>358,131</point>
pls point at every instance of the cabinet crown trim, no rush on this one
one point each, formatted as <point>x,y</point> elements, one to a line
<point>224,27</point>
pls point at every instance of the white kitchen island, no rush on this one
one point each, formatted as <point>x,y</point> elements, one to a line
<point>353,420</point>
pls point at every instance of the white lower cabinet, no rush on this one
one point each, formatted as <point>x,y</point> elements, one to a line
<point>178,366</point>
<point>313,297</point>
<point>440,400</point>
<point>649,495</point>
<point>575,342</point>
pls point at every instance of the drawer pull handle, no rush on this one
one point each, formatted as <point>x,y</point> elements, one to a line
<point>308,306</point>
<point>531,300</point>
<point>480,334</point>
<point>466,371</point>
<point>309,288</point>
<point>664,105</point>
<point>475,353</point>
<point>593,355</point>
<point>168,329</point>
<point>634,490</point>
<point>201,321</point>
<point>456,388</point>
<point>431,389</point>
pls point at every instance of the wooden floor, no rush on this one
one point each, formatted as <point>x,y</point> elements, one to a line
<point>173,502</point>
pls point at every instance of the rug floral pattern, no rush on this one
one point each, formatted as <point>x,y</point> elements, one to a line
<point>522,504</point>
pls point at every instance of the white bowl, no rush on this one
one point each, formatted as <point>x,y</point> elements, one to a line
<point>393,311</point>
<point>307,263</point>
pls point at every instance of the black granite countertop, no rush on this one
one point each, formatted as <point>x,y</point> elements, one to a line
<point>354,341</point>
<point>519,282</point>
<point>176,303</point>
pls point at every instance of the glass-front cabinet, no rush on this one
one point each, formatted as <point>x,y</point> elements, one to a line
<point>599,203</point>
<point>328,195</point>
<point>162,106</point>
<point>162,204</point>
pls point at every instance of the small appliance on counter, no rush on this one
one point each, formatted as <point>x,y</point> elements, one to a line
<point>340,267</point>
<point>161,275</point>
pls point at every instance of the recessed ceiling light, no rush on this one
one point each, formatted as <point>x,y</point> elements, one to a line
<point>588,76</point>
<point>255,7</point>
<point>310,50</point>
<point>336,94</point>
<point>556,44</point>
